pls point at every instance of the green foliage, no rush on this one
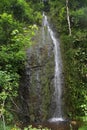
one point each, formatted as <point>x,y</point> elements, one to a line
<point>38,17</point>
<point>77,4</point>
<point>26,128</point>
<point>37,6</point>
<point>7,25</point>
<point>22,11</point>
<point>32,128</point>
<point>79,18</point>
<point>12,55</point>
<point>5,6</point>
<point>74,57</point>
<point>83,128</point>
<point>57,14</point>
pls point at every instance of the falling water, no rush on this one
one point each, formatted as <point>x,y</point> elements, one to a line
<point>58,74</point>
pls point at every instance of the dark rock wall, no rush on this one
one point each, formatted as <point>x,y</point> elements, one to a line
<point>36,87</point>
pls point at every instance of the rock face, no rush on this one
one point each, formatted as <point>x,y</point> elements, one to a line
<point>36,87</point>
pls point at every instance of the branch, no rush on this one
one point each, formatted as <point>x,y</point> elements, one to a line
<point>14,103</point>
<point>2,115</point>
<point>68,17</point>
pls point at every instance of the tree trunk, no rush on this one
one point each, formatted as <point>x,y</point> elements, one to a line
<point>68,17</point>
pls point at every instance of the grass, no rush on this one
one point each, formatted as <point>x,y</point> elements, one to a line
<point>83,128</point>
<point>16,128</point>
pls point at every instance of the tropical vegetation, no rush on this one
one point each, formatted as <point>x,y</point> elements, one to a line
<point>19,21</point>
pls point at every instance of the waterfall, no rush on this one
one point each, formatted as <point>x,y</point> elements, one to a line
<point>58,81</point>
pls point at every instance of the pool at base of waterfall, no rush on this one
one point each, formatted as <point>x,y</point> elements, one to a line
<point>56,119</point>
<point>58,124</point>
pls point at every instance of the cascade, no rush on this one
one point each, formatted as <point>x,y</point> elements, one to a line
<point>58,81</point>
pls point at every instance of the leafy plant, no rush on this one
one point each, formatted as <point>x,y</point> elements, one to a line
<point>7,25</point>
<point>13,57</point>
<point>31,128</point>
<point>79,18</point>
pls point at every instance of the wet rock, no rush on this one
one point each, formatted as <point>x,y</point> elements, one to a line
<point>36,87</point>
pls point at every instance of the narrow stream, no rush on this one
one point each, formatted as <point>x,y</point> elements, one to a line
<point>58,81</point>
<point>57,121</point>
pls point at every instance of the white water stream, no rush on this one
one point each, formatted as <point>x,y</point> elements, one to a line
<point>58,114</point>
